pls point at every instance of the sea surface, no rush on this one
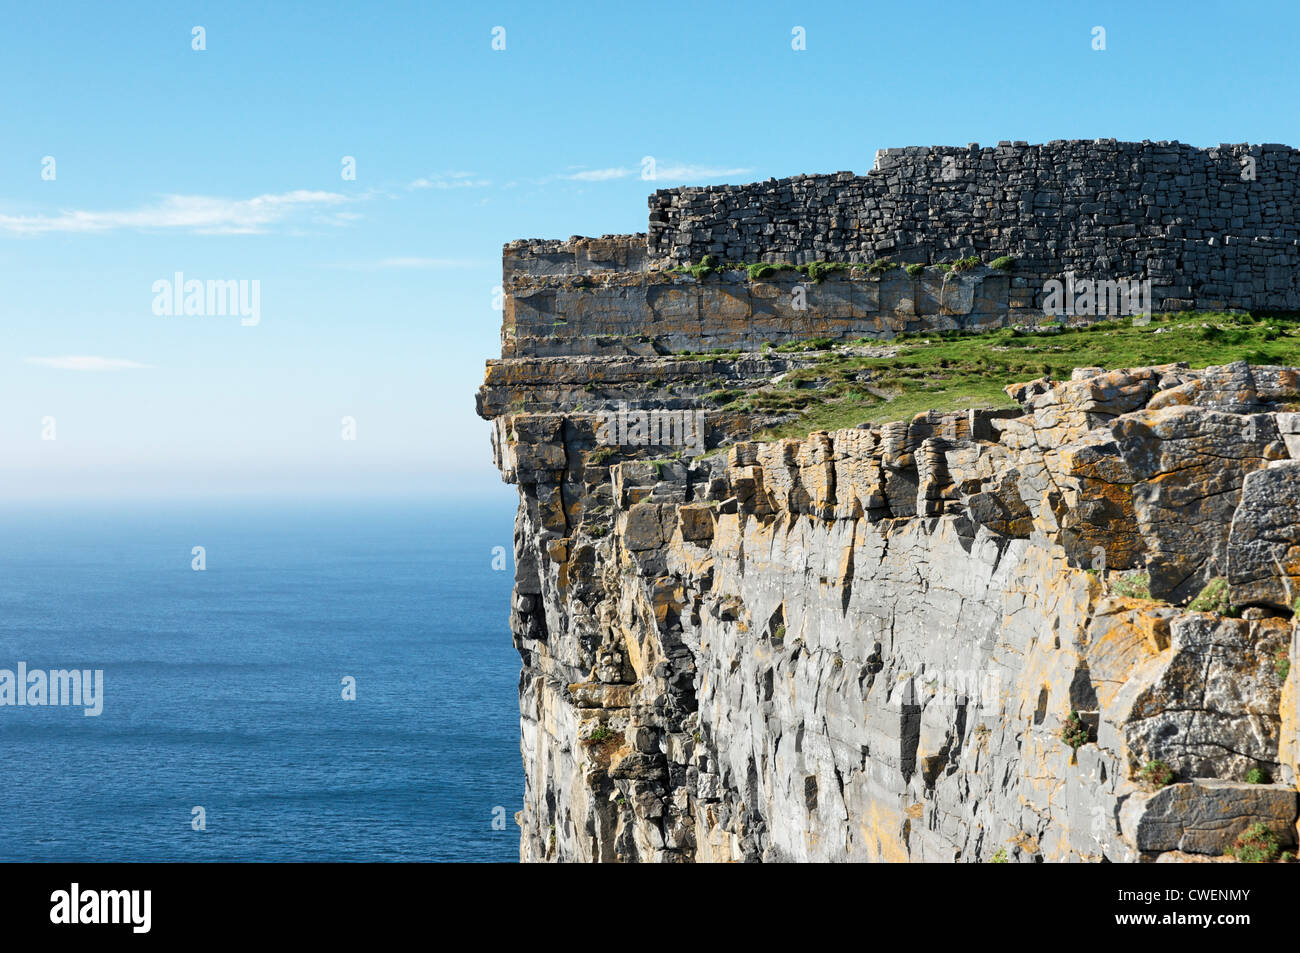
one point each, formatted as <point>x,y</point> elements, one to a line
<point>223,688</point>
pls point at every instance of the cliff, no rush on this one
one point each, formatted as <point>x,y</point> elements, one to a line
<point>1052,627</point>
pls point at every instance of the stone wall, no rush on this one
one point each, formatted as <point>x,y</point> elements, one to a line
<point>1212,228</point>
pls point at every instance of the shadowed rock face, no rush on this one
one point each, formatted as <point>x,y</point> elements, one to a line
<point>865,644</point>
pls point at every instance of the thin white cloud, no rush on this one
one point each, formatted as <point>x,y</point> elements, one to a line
<point>664,173</point>
<point>451,180</point>
<point>203,214</point>
<point>86,362</point>
<point>598,175</point>
<point>678,173</point>
<point>426,264</point>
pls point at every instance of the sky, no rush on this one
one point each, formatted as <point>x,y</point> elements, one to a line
<point>128,156</point>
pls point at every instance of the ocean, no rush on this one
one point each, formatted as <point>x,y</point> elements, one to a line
<point>223,688</point>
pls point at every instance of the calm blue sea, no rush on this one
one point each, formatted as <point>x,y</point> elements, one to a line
<point>223,687</point>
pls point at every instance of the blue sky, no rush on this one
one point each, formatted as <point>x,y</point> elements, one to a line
<point>376,293</point>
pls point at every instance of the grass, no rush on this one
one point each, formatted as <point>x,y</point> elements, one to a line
<point>1134,585</point>
<point>1157,774</point>
<point>817,270</point>
<point>723,397</point>
<point>716,354</point>
<point>1282,665</point>
<point>758,270</point>
<point>600,455</point>
<point>1074,732</point>
<point>801,347</point>
<point>707,266</point>
<point>960,370</point>
<point>1213,598</point>
<point>1255,845</point>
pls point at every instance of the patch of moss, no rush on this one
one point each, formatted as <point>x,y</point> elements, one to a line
<point>1002,263</point>
<point>818,270</point>
<point>707,266</point>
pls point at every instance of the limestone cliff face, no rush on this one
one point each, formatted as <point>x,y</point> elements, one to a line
<point>868,644</point>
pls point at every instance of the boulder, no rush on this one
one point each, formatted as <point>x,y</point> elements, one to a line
<point>1205,815</point>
